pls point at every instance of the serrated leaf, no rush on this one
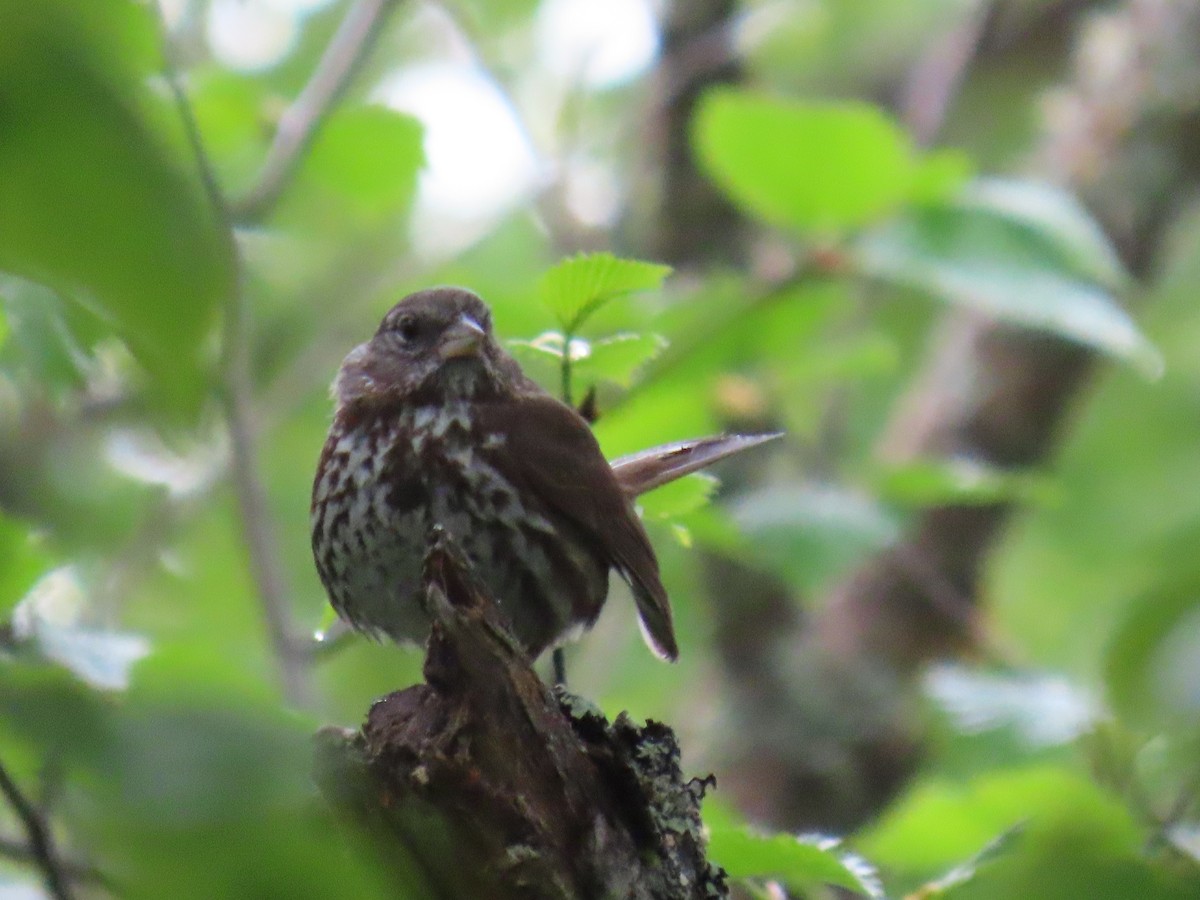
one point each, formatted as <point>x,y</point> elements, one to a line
<point>577,287</point>
<point>799,862</point>
<point>985,262</point>
<point>541,358</point>
<point>679,497</point>
<point>551,345</point>
<point>816,167</point>
<point>618,358</point>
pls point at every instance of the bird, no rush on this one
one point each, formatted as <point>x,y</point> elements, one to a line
<point>436,426</point>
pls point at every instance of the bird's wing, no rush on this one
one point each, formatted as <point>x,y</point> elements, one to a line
<point>549,452</point>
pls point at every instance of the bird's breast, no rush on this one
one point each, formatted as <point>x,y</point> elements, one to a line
<point>394,478</point>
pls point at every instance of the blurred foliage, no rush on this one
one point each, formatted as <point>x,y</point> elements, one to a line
<point>764,151</point>
<point>84,159</point>
<point>800,863</point>
<point>139,700</point>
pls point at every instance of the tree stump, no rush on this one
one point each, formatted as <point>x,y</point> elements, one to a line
<point>484,782</point>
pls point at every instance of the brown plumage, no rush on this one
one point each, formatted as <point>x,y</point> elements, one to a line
<point>437,425</point>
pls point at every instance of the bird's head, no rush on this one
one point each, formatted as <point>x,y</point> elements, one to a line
<point>432,346</point>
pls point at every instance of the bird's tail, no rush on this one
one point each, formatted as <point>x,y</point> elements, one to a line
<point>654,619</point>
<point>644,471</point>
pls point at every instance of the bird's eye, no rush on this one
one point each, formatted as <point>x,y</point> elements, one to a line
<point>408,329</point>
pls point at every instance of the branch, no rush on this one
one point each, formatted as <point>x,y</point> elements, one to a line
<point>300,123</point>
<point>933,83</point>
<point>20,851</point>
<point>484,782</point>
<point>258,527</point>
<point>41,845</point>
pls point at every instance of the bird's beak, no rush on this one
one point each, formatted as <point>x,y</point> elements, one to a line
<point>463,338</point>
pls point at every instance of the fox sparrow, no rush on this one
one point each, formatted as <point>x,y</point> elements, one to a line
<point>435,424</point>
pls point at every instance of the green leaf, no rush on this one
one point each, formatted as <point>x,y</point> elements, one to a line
<point>174,751</point>
<point>618,358</point>
<point>46,346</point>
<point>47,708</point>
<point>492,17</point>
<point>961,481</point>
<point>362,167</point>
<point>1048,210</point>
<point>800,863</point>
<point>577,287</point>
<point>679,497</point>
<point>965,871</point>
<point>659,411</point>
<point>809,533</point>
<point>93,200</point>
<point>941,822</point>
<point>940,175</point>
<point>541,357</point>
<point>1149,668</point>
<point>188,795</point>
<point>984,261</point>
<point>815,167</point>
<point>231,113</point>
<point>22,561</point>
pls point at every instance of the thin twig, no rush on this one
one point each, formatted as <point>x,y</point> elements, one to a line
<point>933,83</point>
<point>300,122</point>
<point>76,870</point>
<point>257,523</point>
<point>566,370</point>
<point>558,659</point>
<point>41,845</point>
<point>266,563</point>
